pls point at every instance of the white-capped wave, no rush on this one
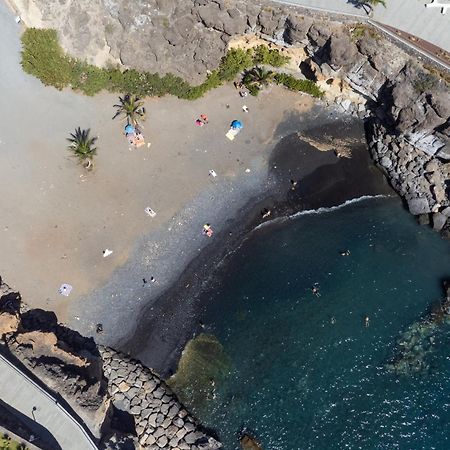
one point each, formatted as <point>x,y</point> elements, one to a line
<point>321,210</point>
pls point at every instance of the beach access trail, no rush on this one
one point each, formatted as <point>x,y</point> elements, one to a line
<point>57,218</point>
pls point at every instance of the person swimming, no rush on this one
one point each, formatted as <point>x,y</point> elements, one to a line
<point>366,321</point>
<point>345,253</point>
<point>315,290</point>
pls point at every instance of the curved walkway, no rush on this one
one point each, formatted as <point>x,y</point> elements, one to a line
<point>23,394</point>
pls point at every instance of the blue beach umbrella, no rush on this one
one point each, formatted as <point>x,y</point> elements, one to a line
<point>129,129</point>
<point>236,125</point>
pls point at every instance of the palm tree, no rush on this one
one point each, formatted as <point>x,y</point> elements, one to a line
<point>130,108</point>
<point>82,146</point>
<point>369,4</point>
<point>255,79</point>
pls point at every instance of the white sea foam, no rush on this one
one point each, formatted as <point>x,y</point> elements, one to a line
<point>321,210</point>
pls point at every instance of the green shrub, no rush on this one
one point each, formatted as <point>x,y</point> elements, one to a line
<point>88,78</point>
<point>44,58</point>
<point>295,84</point>
<point>235,61</point>
<point>272,57</point>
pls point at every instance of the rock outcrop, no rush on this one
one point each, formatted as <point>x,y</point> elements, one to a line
<point>97,382</point>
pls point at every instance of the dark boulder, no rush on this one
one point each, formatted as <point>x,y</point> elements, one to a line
<point>296,29</point>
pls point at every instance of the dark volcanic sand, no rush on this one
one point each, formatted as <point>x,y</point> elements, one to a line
<point>323,181</point>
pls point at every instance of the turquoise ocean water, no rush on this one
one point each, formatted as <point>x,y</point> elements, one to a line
<point>306,373</point>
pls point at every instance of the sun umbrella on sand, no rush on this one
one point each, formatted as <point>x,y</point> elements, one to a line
<point>236,125</point>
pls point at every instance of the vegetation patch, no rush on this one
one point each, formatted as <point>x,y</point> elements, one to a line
<point>308,86</point>
<point>6,443</point>
<point>360,31</point>
<point>43,58</point>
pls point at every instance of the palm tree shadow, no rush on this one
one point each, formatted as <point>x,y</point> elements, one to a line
<point>359,4</point>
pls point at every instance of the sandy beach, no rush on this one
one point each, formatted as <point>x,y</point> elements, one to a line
<point>57,218</point>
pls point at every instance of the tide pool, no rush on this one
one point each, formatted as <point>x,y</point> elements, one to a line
<point>304,372</point>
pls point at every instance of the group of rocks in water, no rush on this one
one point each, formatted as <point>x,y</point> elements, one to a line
<point>418,341</point>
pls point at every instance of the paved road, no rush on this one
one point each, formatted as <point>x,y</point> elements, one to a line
<point>406,15</point>
<point>23,394</point>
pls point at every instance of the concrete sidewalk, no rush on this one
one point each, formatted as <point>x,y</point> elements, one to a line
<point>406,15</point>
<point>20,392</point>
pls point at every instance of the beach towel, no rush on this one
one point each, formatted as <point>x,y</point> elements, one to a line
<point>232,134</point>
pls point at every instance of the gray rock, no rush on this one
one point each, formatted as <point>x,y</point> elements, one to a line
<point>319,34</point>
<point>446,211</point>
<point>173,410</point>
<point>158,393</point>
<point>418,205</point>
<point>386,162</point>
<point>444,152</point>
<point>166,398</point>
<point>162,441</point>
<point>439,221</point>
<point>152,419</point>
<point>135,410</point>
<point>342,51</point>
<point>424,219</point>
<point>190,438</point>
<point>180,423</point>
<point>158,432</point>
<point>296,28</point>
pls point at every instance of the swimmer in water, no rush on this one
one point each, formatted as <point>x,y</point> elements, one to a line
<point>366,321</point>
<point>315,290</point>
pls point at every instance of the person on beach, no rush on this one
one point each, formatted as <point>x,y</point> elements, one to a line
<point>265,213</point>
<point>99,328</point>
<point>199,123</point>
<point>152,280</point>
<point>204,118</point>
<point>207,230</point>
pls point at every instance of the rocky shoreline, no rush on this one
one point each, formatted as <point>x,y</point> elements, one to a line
<point>119,399</point>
